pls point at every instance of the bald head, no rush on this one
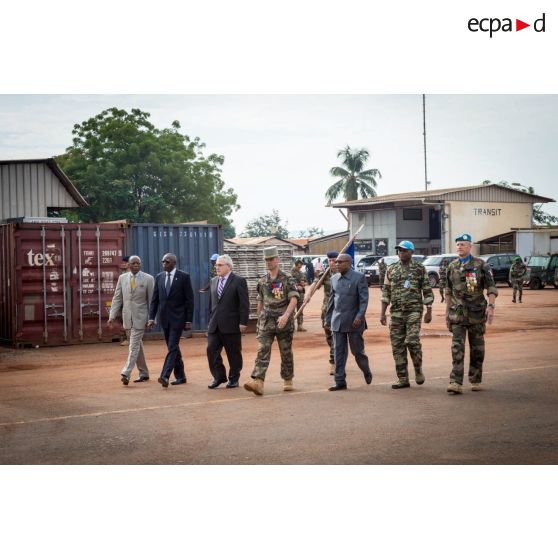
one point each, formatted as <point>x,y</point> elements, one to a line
<point>344,263</point>
<point>169,262</point>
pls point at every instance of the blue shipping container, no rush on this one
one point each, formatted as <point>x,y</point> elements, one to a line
<point>193,246</point>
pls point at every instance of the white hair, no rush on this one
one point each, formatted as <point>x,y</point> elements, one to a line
<point>226,259</point>
<point>134,257</point>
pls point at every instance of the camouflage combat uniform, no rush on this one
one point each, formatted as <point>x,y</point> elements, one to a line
<point>407,289</point>
<point>300,281</point>
<point>467,314</point>
<point>518,270</point>
<point>443,279</point>
<point>327,291</point>
<point>275,295</point>
<point>382,268</point>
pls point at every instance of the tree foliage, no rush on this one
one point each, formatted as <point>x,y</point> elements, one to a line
<point>539,216</point>
<point>354,181</point>
<point>266,225</point>
<point>311,232</point>
<point>126,168</point>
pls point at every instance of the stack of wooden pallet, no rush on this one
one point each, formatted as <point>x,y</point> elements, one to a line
<point>249,263</point>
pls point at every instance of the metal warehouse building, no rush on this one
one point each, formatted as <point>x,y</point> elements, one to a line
<point>35,187</point>
<point>431,219</point>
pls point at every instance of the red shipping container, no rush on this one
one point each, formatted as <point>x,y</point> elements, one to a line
<point>57,282</point>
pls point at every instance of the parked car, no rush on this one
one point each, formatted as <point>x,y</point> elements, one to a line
<point>433,263</point>
<point>500,264</point>
<point>365,261</point>
<point>541,271</point>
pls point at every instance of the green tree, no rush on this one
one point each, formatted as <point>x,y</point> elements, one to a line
<point>311,232</point>
<point>126,168</point>
<point>266,225</point>
<point>539,216</point>
<point>354,180</point>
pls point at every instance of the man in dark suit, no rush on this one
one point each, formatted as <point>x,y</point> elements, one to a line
<point>228,319</point>
<point>173,301</point>
<point>345,316</point>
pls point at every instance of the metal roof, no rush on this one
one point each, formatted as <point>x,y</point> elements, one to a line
<point>480,192</point>
<point>59,173</point>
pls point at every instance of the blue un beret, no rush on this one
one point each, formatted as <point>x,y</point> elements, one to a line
<point>465,236</point>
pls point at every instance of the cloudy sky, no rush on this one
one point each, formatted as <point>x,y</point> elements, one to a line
<point>278,149</point>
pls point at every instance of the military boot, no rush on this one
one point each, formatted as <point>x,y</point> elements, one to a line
<point>288,385</point>
<point>454,387</point>
<point>401,383</point>
<point>513,299</point>
<point>300,328</point>
<point>476,387</point>
<point>419,377</point>
<point>520,297</point>
<point>255,385</point>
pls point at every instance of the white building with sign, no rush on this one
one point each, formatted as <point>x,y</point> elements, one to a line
<point>431,219</point>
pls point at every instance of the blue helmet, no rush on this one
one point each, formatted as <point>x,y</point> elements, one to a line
<point>214,257</point>
<point>406,245</point>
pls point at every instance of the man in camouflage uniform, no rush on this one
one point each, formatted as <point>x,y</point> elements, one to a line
<point>300,282</point>
<point>467,312</point>
<point>407,289</point>
<point>382,269</point>
<point>443,278</point>
<point>277,300</point>
<point>212,272</point>
<point>331,257</point>
<point>518,270</point>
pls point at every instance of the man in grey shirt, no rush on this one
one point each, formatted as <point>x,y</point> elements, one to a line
<point>345,316</point>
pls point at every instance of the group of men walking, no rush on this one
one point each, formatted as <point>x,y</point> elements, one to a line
<point>141,299</point>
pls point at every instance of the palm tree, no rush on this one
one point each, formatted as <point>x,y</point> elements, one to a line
<point>354,181</point>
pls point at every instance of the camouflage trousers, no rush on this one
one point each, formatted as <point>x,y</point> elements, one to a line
<point>517,286</point>
<point>267,332</point>
<point>476,348</point>
<point>442,291</point>
<point>404,332</point>
<point>300,318</point>
<point>329,338</point>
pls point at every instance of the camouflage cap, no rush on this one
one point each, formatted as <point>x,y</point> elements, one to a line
<point>270,252</point>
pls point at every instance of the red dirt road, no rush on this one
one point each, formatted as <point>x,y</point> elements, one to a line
<point>67,405</point>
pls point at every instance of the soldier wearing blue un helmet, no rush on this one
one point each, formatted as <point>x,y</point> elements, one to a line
<point>212,272</point>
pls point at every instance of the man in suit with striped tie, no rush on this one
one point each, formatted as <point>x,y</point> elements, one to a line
<point>228,320</point>
<point>131,299</point>
<point>173,304</point>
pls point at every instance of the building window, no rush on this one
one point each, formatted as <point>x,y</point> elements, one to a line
<point>412,214</point>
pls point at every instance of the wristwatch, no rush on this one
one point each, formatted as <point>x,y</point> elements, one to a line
<point>492,305</point>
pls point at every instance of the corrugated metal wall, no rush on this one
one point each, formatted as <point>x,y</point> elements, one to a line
<point>29,189</point>
<point>327,245</point>
<point>491,194</point>
<point>193,246</point>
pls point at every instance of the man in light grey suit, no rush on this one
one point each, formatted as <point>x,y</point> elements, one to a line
<point>132,298</point>
<point>345,316</point>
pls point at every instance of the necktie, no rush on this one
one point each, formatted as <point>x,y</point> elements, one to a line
<point>133,282</point>
<point>168,283</point>
<point>220,287</point>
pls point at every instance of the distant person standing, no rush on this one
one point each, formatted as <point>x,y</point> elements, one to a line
<point>518,270</point>
<point>310,271</point>
<point>131,299</point>
<point>300,283</point>
<point>229,308</point>
<point>467,312</point>
<point>443,278</point>
<point>277,300</point>
<point>212,272</point>
<point>382,268</point>
<point>331,257</point>
<point>173,305</point>
<point>407,290</point>
<point>345,317</point>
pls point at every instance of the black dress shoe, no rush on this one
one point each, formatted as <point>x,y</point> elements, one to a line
<point>178,382</point>
<point>124,379</point>
<point>141,379</point>
<point>163,382</point>
<point>232,384</point>
<point>216,383</point>
<point>338,387</point>
<point>368,378</point>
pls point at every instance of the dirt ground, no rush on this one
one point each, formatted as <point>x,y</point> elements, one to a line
<point>67,404</point>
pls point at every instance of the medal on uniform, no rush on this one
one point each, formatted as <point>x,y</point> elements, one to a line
<point>277,290</point>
